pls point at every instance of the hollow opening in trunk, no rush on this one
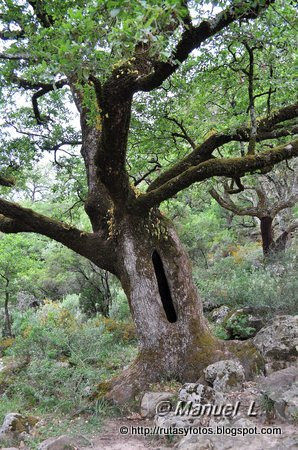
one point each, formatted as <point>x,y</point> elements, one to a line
<point>163,287</point>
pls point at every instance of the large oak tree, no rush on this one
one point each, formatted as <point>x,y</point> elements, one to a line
<point>104,56</point>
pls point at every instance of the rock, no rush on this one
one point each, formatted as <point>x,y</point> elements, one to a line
<point>150,401</point>
<point>281,388</point>
<point>209,305</point>
<point>197,393</point>
<point>9,448</point>
<point>64,364</point>
<point>177,421</point>
<point>225,376</point>
<point>218,315</point>
<point>248,442</point>
<point>278,343</point>
<point>15,426</point>
<point>64,443</point>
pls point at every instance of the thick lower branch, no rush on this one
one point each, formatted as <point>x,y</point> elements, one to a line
<point>229,167</point>
<point>203,152</point>
<point>14,219</point>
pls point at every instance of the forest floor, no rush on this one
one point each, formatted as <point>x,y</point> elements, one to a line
<point>110,437</point>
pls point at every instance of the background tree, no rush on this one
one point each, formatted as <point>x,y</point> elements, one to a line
<point>109,61</point>
<point>271,198</point>
<point>17,262</point>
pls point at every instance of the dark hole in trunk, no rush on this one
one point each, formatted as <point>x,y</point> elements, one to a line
<point>163,287</point>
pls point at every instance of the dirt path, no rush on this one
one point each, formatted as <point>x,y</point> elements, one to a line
<point>110,437</point>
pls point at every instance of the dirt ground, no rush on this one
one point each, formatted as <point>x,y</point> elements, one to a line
<point>110,437</point>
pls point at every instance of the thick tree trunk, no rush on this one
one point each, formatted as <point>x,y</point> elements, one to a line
<point>174,338</point>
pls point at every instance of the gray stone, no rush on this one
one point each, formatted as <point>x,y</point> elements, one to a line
<point>177,421</point>
<point>282,389</point>
<point>197,393</point>
<point>225,375</point>
<point>218,315</point>
<point>278,343</point>
<point>9,448</point>
<point>15,426</point>
<point>64,443</point>
<point>151,400</point>
<point>209,305</point>
<point>248,442</point>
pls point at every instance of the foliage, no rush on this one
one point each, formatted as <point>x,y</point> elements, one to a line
<point>238,327</point>
<point>66,356</point>
<point>251,283</point>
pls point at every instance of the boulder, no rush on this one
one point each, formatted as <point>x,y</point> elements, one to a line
<point>151,401</point>
<point>248,442</point>
<point>281,388</point>
<point>177,421</point>
<point>64,443</point>
<point>15,426</point>
<point>9,448</point>
<point>225,376</point>
<point>278,343</point>
<point>218,315</point>
<point>197,393</point>
<point>209,305</point>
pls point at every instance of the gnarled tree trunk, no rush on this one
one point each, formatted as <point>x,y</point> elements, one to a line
<point>174,339</point>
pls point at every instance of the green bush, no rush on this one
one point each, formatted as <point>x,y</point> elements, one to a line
<point>241,281</point>
<point>238,327</point>
<point>67,356</point>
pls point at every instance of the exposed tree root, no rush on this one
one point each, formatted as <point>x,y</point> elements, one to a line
<point>143,371</point>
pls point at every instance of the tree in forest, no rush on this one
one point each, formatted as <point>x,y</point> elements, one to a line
<point>266,206</point>
<point>130,70</point>
<point>95,293</point>
<point>16,262</point>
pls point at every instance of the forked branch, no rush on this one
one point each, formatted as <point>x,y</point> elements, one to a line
<point>228,167</point>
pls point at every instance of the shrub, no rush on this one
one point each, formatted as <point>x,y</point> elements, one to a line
<point>67,356</point>
<point>251,283</point>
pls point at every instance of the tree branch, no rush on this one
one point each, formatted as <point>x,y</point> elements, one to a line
<point>5,181</point>
<point>7,35</point>
<point>228,204</point>
<point>184,134</point>
<point>253,119</point>
<point>14,219</point>
<point>45,19</point>
<point>203,152</point>
<point>193,37</point>
<point>44,88</point>
<point>228,167</point>
<point>16,56</point>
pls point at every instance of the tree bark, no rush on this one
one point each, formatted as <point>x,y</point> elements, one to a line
<point>267,235</point>
<point>175,341</point>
